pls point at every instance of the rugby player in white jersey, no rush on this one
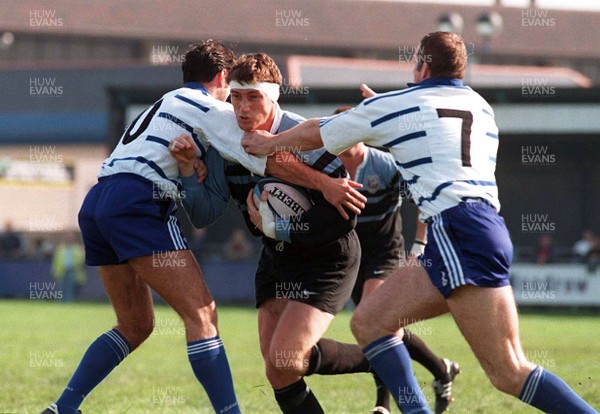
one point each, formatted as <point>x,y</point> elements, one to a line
<point>379,229</point>
<point>448,159</point>
<point>127,220</point>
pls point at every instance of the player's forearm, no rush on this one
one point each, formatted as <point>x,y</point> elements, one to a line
<point>288,167</point>
<point>186,169</point>
<point>202,205</point>
<point>304,136</point>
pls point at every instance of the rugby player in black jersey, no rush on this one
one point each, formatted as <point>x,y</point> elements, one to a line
<point>306,273</point>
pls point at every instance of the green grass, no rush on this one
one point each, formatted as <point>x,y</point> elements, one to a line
<point>41,344</point>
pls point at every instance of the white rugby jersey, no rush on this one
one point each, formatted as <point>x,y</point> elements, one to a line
<point>144,147</point>
<point>442,134</point>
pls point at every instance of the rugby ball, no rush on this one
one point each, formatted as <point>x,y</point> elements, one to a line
<point>285,200</point>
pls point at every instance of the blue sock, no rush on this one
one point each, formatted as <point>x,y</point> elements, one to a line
<point>211,367</point>
<point>550,394</point>
<point>103,355</point>
<point>390,360</point>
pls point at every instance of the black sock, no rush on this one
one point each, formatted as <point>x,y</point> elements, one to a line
<point>329,357</point>
<point>383,395</point>
<point>423,355</point>
<point>297,398</point>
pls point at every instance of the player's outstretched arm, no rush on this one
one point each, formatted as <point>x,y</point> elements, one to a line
<point>204,196</point>
<point>339,192</point>
<point>303,136</point>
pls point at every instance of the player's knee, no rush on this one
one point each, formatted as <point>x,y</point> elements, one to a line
<point>276,378</point>
<point>288,360</point>
<point>360,327</point>
<point>136,331</point>
<point>200,316</point>
<point>508,378</point>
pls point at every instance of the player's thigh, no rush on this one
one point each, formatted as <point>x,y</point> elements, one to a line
<point>269,313</point>
<point>488,319</point>
<point>299,328</point>
<point>405,297</point>
<point>177,278</point>
<point>131,299</point>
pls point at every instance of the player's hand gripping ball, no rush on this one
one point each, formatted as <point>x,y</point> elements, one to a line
<point>284,201</point>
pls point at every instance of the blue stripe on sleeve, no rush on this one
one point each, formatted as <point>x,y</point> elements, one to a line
<point>394,115</point>
<point>414,163</point>
<point>161,141</point>
<point>405,138</point>
<point>177,121</point>
<point>487,112</point>
<point>491,135</point>
<point>193,103</point>
<point>185,126</point>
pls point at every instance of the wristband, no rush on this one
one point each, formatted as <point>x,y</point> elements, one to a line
<point>268,219</point>
<point>418,248</point>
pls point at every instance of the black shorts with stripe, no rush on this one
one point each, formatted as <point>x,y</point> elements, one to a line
<point>321,277</point>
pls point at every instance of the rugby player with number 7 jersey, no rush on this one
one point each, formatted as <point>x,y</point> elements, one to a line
<point>379,229</point>
<point>448,159</point>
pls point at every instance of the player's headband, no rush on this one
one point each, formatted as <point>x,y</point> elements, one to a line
<point>268,88</point>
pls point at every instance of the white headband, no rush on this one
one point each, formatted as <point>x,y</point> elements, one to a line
<point>268,88</point>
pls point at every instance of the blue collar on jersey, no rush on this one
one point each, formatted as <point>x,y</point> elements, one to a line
<point>438,81</point>
<point>196,85</point>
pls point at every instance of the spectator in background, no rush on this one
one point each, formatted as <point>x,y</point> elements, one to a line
<point>11,242</point>
<point>198,243</point>
<point>545,250</point>
<point>583,246</point>
<point>68,267</point>
<point>238,246</point>
<point>587,249</point>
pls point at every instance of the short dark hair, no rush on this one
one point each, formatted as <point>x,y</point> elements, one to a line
<point>204,60</point>
<point>255,67</point>
<point>445,53</point>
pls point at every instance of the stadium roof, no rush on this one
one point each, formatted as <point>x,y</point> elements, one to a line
<point>343,25</point>
<point>326,72</point>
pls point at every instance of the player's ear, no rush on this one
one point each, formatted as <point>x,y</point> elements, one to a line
<point>425,71</point>
<point>221,78</point>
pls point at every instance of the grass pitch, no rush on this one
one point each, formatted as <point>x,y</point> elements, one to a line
<point>42,343</point>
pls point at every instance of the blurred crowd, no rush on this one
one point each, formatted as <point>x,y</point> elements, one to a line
<point>240,246</point>
<point>23,245</point>
<point>586,250</point>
